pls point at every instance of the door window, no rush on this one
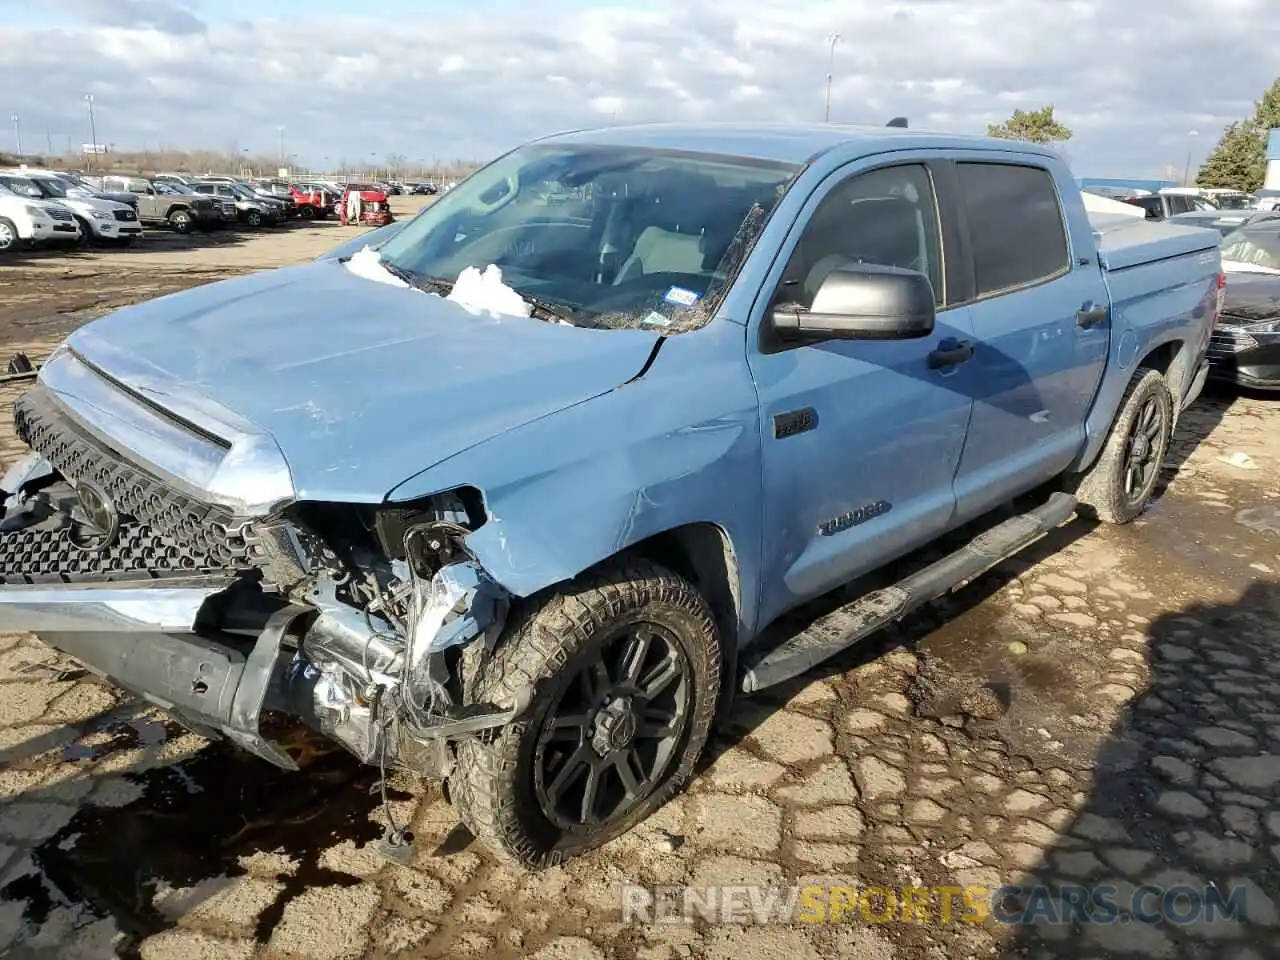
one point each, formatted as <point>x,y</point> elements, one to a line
<point>887,217</point>
<point>1016,228</point>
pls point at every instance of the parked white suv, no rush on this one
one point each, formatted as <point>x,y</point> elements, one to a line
<point>103,220</point>
<point>24,220</point>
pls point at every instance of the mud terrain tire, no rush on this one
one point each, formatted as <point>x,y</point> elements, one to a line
<point>1116,488</point>
<point>516,788</point>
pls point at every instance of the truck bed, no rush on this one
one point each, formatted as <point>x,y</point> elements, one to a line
<point>1124,242</point>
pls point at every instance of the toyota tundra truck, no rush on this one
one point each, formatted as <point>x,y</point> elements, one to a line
<point>508,500</point>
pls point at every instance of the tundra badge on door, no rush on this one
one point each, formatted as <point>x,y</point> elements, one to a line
<point>854,517</point>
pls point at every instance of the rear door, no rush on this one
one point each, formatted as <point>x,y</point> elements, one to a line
<point>1040,320</point>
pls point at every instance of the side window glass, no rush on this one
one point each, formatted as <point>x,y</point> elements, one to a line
<point>887,217</point>
<point>1015,225</point>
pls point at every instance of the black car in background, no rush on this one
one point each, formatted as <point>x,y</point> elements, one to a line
<point>1245,348</point>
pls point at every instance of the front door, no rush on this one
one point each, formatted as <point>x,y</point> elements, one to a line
<point>861,439</point>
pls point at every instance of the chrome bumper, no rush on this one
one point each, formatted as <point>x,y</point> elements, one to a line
<point>191,649</point>
<point>151,607</point>
<point>144,639</point>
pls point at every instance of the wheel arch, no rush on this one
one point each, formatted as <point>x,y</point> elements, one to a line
<point>703,554</point>
<point>1171,357</point>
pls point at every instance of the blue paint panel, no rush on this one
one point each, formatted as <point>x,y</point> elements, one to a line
<point>1273,144</point>
<point>680,445</point>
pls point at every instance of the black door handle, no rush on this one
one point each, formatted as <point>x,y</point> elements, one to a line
<point>950,352</point>
<point>1091,316</point>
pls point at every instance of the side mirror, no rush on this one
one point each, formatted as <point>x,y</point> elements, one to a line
<point>862,301</point>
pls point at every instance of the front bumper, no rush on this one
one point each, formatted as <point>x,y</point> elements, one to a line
<point>1245,357</point>
<point>143,639</point>
<point>50,231</point>
<point>114,229</point>
<point>220,659</point>
<point>375,218</point>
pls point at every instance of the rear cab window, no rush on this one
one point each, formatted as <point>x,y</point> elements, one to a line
<point>1017,232</point>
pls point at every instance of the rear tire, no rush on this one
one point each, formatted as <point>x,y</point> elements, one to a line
<point>307,212</point>
<point>1119,484</point>
<point>617,744</point>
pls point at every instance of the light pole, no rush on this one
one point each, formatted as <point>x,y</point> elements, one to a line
<point>833,39</point>
<point>282,158</point>
<point>1186,170</point>
<point>17,130</point>
<point>93,130</point>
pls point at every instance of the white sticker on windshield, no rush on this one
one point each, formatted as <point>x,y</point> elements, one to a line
<point>680,296</point>
<point>655,319</point>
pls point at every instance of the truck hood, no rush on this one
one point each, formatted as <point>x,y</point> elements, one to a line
<point>85,204</point>
<point>1251,297</point>
<point>360,384</point>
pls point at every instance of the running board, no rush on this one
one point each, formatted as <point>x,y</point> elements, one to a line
<point>842,628</point>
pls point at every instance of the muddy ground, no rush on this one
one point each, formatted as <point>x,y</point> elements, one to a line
<point>1102,710</point>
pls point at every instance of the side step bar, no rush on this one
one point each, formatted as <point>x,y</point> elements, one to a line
<point>846,626</point>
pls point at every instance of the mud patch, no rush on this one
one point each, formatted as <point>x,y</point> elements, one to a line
<point>118,863</point>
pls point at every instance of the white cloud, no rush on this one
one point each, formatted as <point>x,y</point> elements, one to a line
<point>1130,78</point>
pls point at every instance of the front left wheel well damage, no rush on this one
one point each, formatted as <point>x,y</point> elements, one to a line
<point>703,554</point>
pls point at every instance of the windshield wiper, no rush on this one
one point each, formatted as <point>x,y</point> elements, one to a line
<point>417,281</point>
<point>541,309</point>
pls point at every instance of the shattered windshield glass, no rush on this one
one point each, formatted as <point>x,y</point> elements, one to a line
<point>599,236</point>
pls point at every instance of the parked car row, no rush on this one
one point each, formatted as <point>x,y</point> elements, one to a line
<point>45,207</point>
<point>39,206</point>
<point>1220,209</point>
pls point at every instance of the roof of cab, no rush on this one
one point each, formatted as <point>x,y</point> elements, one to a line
<point>784,142</point>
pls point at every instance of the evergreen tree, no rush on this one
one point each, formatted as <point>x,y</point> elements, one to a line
<point>1239,160</point>
<point>1036,126</point>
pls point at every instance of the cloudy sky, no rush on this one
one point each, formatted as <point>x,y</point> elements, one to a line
<point>355,79</point>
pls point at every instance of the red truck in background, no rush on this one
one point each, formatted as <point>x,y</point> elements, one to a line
<point>314,202</point>
<point>366,204</point>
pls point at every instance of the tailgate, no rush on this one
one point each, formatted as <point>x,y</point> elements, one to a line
<point>1124,242</point>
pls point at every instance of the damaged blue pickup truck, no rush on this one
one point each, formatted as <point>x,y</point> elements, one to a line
<point>524,537</point>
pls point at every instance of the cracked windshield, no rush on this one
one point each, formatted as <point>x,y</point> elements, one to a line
<point>605,237</point>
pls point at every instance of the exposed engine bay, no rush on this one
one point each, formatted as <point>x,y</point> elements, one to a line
<point>363,622</point>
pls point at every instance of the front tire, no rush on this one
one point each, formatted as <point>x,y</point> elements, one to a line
<point>623,667</point>
<point>9,239</point>
<point>1119,484</point>
<point>307,212</point>
<point>181,221</point>
<point>87,237</point>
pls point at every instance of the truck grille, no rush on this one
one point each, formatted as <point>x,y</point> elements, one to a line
<point>125,216</point>
<point>162,530</point>
<point>60,213</point>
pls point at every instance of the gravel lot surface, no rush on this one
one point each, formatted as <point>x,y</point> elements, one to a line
<point>1102,709</point>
